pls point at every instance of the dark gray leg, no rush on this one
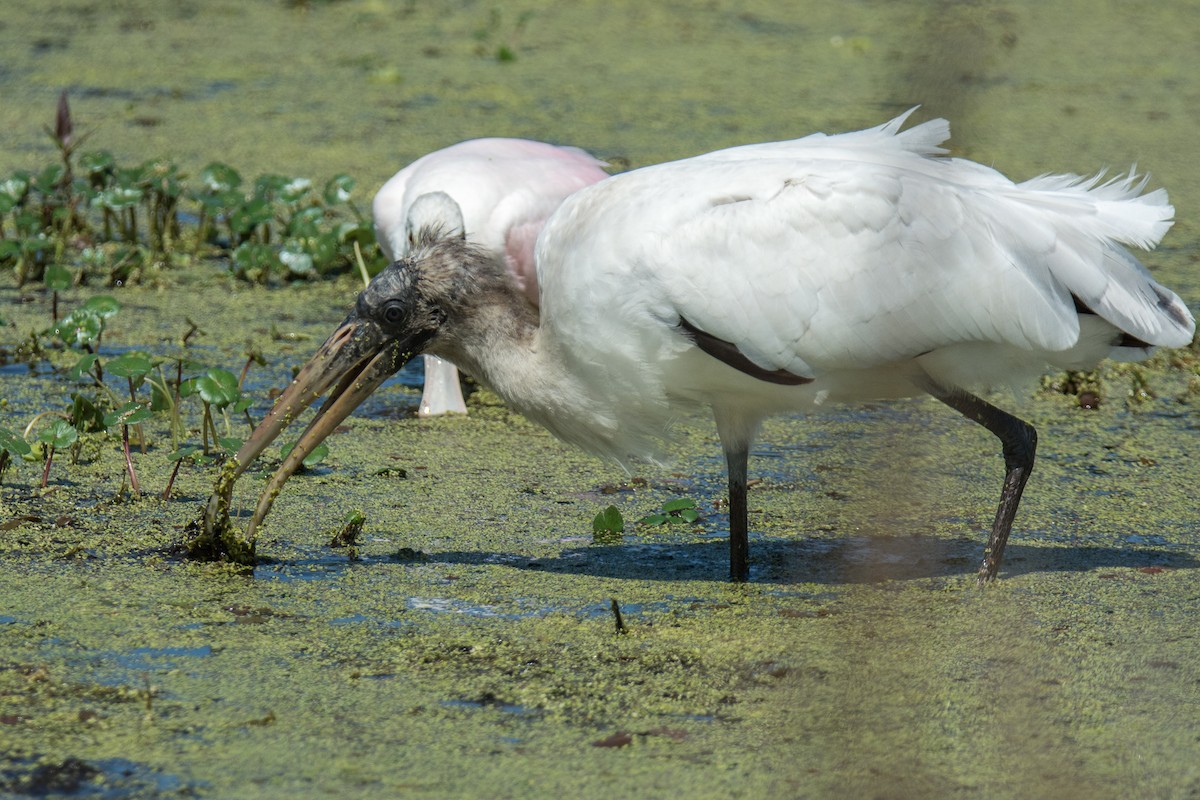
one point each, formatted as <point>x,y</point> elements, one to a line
<point>739,524</point>
<point>1019,442</point>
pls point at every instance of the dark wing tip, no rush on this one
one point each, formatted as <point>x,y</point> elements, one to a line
<point>728,353</point>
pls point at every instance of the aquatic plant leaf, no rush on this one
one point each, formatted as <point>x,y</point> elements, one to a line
<point>254,212</point>
<point>220,178</point>
<point>129,365</point>
<point>312,459</point>
<point>48,179</point>
<point>15,187</point>
<point>118,198</point>
<point>102,306</point>
<point>219,202</point>
<point>186,451</point>
<point>251,258</point>
<point>323,249</point>
<point>230,444</point>
<point>160,177</point>
<point>350,232</point>
<point>681,511</point>
<point>268,186</point>
<point>306,222</point>
<point>609,521</point>
<point>83,365</point>
<point>297,261</point>
<point>100,162</point>
<point>13,443</point>
<point>294,190</point>
<point>160,397</point>
<point>85,416</point>
<point>338,189</point>
<point>218,388</point>
<point>57,277</point>
<point>128,414</point>
<point>80,327</point>
<point>59,433</point>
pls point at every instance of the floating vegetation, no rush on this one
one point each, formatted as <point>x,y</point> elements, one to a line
<point>608,526</point>
<point>674,512</point>
<point>89,217</point>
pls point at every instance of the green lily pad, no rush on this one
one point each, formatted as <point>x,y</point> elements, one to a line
<point>83,366</point>
<point>59,433</point>
<point>218,388</point>
<point>57,277</point>
<point>80,327</point>
<point>129,365</point>
<point>102,306</point>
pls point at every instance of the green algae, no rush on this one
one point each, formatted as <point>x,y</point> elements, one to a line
<point>470,650</point>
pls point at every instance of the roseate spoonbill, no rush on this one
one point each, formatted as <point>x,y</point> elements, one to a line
<point>760,280</point>
<point>499,193</point>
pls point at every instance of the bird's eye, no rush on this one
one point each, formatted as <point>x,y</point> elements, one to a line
<point>393,313</point>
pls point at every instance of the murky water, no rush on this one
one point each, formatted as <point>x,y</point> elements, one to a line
<point>470,650</point>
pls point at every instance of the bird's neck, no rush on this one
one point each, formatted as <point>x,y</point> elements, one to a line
<point>501,344</point>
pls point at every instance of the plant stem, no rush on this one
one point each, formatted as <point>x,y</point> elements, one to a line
<point>46,471</point>
<point>166,494</point>
<point>204,426</point>
<point>98,371</point>
<point>140,431</point>
<point>133,481</point>
<point>245,369</point>
<point>201,224</point>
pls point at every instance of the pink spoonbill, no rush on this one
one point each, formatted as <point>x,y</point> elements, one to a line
<point>761,280</point>
<point>498,193</point>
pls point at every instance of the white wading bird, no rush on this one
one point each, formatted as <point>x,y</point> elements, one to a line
<point>499,193</point>
<point>761,280</point>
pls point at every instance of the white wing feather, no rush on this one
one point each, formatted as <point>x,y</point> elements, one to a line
<point>850,252</point>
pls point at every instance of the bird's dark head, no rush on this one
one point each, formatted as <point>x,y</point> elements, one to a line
<point>394,319</point>
<point>393,307</point>
<point>398,316</point>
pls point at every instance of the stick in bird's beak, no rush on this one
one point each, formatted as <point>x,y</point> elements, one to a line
<point>355,360</point>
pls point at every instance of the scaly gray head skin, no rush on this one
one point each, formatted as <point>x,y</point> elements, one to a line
<point>394,319</point>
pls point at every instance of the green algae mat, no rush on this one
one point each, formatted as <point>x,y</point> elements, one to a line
<point>465,644</point>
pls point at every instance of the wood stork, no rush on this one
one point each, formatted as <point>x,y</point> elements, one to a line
<point>760,280</point>
<point>498,193</point>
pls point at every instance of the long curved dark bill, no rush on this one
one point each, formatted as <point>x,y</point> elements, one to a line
<point>354,360</point>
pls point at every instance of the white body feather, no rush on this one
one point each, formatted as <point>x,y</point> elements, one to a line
<point>858,261</point>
